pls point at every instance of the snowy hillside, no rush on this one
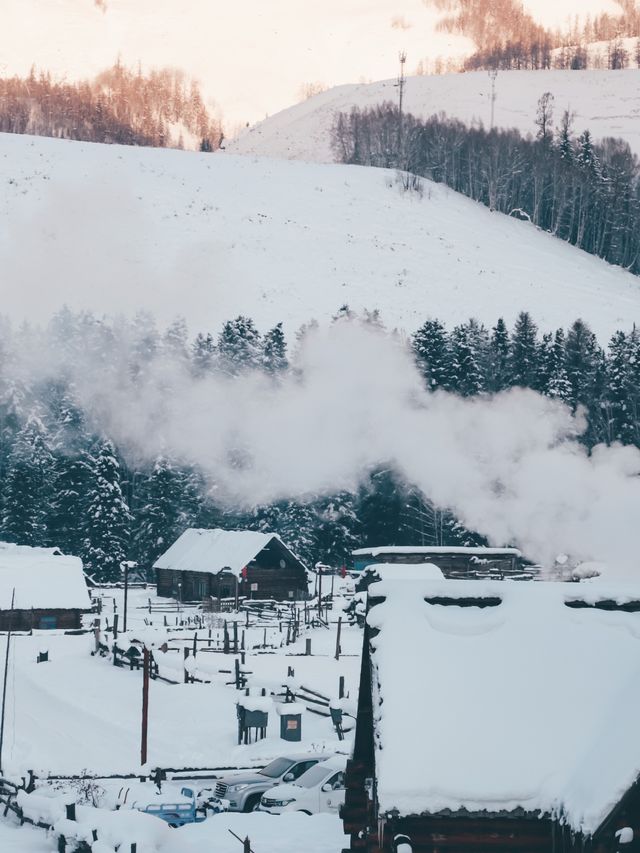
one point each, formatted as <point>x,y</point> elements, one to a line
<point>120,229</point>
<point>607,102</point>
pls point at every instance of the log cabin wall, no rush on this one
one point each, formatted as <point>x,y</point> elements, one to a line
<point>186,586</point>
<point>432,834</point>
<point>459,565</point>
<point>27,620</point>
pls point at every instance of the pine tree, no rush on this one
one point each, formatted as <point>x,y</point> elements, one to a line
<point>565,138</point>
<point>274,351</point>
<point>622,389</point>
<point>175,339</point>
<point>107,516</point>
<point>239,347</point>
<point>431,347</point>
<point>557,382</point>
<point>465,374</point>
<point>582,357</point>
<point>336,529</point>
<point>497,376</point>
<point>203,355</point>
<point>524,352</point>
<point>28,486</point>
<point>170,504</point>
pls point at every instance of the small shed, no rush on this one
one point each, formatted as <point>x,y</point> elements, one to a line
<point>222,563</point>
<point>50,589</point>
<point>454,562</point>
<point>496,716</point>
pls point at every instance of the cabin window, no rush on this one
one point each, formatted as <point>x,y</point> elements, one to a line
<point>48,622</point>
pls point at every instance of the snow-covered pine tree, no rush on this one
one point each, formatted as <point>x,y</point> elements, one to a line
<point>497,376</point>
<point>336,529</point>
<point>203,354</point>
<point>28,486</point>
<point>170,503</point>
<point>582,364</point>
<point>294,522</point>
<point>465,373</point>
<point>70,442</point>
<point>524,353</point>
<point>239,347</point>
<point>107,517</point>
<point>175,340</point>
<point>274,351</point>
<point>622,394</point>
<point>431,348</point>
<point>557,383</point>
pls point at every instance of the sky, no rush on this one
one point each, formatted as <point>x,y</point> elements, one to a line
<point>251,56</point>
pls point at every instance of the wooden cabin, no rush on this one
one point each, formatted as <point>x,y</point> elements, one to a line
<point>216,564</point>
<point>454,562</point>
<point>496,716</point>
<point>48,588</point>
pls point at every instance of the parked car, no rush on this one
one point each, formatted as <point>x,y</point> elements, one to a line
<point>170,803</point>
<point>320,789</point>
<point>243,790</point>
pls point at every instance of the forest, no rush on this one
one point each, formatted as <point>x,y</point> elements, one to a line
<point>65,482</point>
<point>162,108</point>
<point>581,191</point>
<point>507,37</point>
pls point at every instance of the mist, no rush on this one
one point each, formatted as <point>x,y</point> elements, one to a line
<point>509,466</point>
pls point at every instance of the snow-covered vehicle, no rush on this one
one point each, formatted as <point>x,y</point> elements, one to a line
<point>243,790</point>
<point>320,789</point>
<point>170,803</point>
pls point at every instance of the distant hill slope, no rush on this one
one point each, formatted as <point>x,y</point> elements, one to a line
<point>607,102</point>
<point>113,228</point>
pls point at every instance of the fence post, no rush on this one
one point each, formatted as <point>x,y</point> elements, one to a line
<point>237,672</point>
<point>225,642</point>
<point>186,674</point>
<point>338,638</point>
<point>115,626</point>
<point>247,845</point>
<point>307,644</point>
<point>235,638</point>
<point>195,643</point>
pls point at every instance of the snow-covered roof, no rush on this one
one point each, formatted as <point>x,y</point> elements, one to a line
<point>43,579</point>
<point>435,550</point>
<point>199,550</point>
<point>524,702</point>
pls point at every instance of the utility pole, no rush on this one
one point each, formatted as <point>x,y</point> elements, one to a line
<point>6,673</point>
<point>493,74</point>
<point>145,706</point>
<point>401,84</point>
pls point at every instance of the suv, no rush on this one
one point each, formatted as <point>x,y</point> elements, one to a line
<point>243,790</point>
<point>320,789</point>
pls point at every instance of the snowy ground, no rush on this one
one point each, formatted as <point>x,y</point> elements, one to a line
<point>210,237</point>
<point>79,712</point>
<point>606,102</point>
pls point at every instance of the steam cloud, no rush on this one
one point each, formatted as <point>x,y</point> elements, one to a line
<point>509,466</point>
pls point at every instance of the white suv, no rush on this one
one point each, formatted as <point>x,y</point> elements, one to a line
<point>320,789</point>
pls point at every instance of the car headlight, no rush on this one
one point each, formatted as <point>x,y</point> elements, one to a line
<point>279,804</point>
<point>240,787</point>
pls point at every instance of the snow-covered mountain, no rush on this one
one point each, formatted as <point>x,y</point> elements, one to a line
<point>212,236</point>
<point>606,102</point>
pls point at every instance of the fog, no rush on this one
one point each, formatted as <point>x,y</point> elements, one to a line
<point>509,466</point>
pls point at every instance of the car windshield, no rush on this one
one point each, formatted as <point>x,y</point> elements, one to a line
<point>276,768</point>
<point>312,777</point>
